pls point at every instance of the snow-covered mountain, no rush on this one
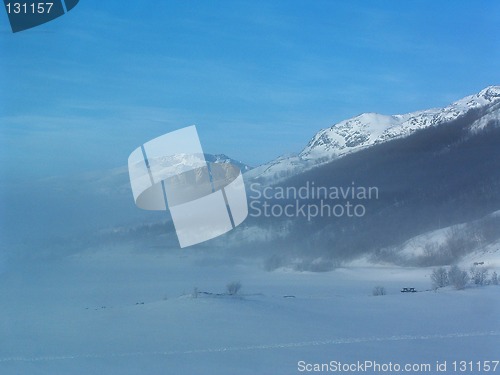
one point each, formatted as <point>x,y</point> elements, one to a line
<point>177,164</point>
<point>368,129</point>
<point>221,158</point>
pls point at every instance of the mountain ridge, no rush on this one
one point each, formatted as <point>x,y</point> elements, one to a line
<point>366,130</point>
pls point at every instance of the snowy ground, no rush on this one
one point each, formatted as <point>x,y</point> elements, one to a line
<point>109,312</point>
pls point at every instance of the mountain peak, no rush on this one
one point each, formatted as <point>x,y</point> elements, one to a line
<point>371,128</point>
<point>490,93</point>
<point>484,97</point>
<point>368,129</point>
<point>223,158</point>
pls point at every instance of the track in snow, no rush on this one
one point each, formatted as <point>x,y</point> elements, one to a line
<point>337,341</point>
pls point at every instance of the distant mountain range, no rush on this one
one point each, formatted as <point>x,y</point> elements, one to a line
<point>370,129</point>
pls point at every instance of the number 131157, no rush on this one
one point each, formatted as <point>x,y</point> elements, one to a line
<point>479,366</point>
<point>38,8</point>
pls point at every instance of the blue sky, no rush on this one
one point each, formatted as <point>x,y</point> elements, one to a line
<point>258,78</point>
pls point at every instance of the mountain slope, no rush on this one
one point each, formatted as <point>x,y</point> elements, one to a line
<point>369,129</point>
<point>436,177</point>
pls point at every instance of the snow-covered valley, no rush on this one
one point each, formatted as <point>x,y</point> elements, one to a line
<point>117,312</point>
